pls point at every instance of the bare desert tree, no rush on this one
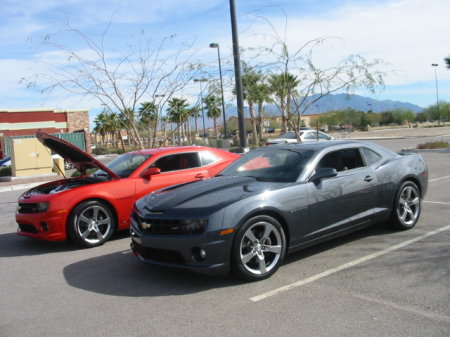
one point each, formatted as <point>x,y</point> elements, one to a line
<point>298,82</point>
<point>143,70</point>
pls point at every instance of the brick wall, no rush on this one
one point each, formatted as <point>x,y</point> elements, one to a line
<point>77,120</point>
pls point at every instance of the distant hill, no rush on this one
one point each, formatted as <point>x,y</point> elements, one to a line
<point>361,103</point>
<point>342,102</point>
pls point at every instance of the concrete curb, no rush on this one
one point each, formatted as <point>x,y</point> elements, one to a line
<point>19,186</point>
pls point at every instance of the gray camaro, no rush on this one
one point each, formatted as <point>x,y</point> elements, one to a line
<point>275,200</point>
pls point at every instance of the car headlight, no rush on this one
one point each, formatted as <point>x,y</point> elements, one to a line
<point>194,225</point>
<point>38,207</point>
<point>42,206</point>
<point>170,226</point>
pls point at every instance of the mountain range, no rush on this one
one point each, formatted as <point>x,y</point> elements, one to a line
<point>359,103</point>
<point>342,102</point>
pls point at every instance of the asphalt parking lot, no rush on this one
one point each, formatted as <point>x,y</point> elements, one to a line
<point>376,282</point>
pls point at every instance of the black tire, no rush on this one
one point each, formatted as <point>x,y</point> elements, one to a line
<point>91,223</point>
<point>407,206</point>
<point>258,249</point>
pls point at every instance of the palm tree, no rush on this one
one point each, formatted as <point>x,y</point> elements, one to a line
<point>178,113</point>
<point>101,127</point>
<point>148,115</point>
<point>262,95</point>
<point>283,87</point>
<point>212,105</point>
<point>255,92</point>
<point>195,113</point>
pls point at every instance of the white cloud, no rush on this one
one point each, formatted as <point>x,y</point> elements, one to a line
<point>408,34</point>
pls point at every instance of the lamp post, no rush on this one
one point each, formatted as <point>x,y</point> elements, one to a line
<point>216,45</point>
<point>200,80</point>
<point>237,76</point>
<point>437,93</point>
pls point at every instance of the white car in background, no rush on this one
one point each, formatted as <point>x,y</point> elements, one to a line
<point>305,136</point>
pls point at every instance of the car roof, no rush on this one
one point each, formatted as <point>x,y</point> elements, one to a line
<point>170,149</point>
<point>319,145</point>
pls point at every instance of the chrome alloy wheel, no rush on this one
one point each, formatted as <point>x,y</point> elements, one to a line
<point>93,224</point>
<point>408,206</point>
<point>261,248</point>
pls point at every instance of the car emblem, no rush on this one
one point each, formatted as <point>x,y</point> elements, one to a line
<point>145,225</point>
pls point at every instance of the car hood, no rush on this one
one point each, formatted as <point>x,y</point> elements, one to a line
<point>212,194</point>
<point>282,140</point>
<point>72,154</point>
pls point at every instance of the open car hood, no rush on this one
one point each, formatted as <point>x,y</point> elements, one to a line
<point>72,154</point>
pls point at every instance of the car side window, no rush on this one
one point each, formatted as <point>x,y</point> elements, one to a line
<point>207,158</point>
<point>175,162</point>
<point>311,135</point>
<point>342,160</point>
<point>324,136</point>
<point>371,156</point>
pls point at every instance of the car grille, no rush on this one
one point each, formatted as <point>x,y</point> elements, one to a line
<point>27,228</point>
<point>160,255</point>
<point>27,208</point>
<point>170,226</point>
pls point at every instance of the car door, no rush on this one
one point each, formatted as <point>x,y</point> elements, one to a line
<point>346,200</point>
<point>175,169</point>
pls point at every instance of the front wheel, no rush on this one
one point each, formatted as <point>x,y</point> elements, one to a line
<point>258,249</point>
<point>91,223</point>
<point>407,206</point>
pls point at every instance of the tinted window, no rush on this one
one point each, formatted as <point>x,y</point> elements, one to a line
<point>207,158</point>
<point>324,136</point>
<point>342,160</point>
<point>179,161</point>
<point>270,165</point>
<point>288,135</point>
<point>125,164</point>
<point>311,135</point>
<point>371,156</point>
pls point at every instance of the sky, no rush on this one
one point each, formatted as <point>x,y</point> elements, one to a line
<point>408,35</point>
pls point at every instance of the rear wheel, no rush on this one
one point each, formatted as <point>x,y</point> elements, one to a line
<point>407,206</point>
<point>258,249</point>
<point>91,223</point>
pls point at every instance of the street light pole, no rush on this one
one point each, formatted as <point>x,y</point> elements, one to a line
<point>437,93</point>
<point>237,75</point>
<point>200,80</point>
<point>216,45</point>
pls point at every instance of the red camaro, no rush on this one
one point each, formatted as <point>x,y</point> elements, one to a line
<point>89,209</point>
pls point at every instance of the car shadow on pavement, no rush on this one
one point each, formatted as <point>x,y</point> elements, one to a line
<point>122,274</point>
<point>12,245</point>
<point>373,230</point>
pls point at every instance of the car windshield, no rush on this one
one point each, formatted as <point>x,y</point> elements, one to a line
<point>125,164</point>
<point>272,165</point>
<point>288,135</point>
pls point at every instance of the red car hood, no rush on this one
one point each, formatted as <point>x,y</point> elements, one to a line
<point>72,154</point>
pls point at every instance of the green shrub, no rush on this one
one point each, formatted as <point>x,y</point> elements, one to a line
<point>5,171</point>
<point>77,173</point>
<point>433,145</point>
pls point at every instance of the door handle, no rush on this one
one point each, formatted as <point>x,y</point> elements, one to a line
<point>368,178</point>
<point>199,176</point>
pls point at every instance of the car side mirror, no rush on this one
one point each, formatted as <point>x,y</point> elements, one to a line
<point>151,171</point>
<point>323,173</point>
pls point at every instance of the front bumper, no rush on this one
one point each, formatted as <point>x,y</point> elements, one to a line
<point>48,226</point>
<point>182,251</point>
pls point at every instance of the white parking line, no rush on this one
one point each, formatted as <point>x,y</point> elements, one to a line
<point>436,202</point>
<point>436,179</point>
<point>345,266</point>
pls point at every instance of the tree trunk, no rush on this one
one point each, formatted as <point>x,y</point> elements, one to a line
<point>253,124</point>
<point>260,120</point>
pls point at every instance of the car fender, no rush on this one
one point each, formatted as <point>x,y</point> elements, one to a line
<point>238,213</point>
